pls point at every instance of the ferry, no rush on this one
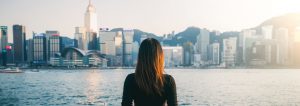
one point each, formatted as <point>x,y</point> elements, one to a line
<point>11,70</point>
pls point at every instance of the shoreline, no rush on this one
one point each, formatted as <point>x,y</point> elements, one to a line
<point>244,67</point>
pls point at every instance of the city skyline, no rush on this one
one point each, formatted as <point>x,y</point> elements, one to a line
<point>233,15</point>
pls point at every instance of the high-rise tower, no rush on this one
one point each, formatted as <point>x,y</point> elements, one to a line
<point>90,19</point>
<point>19,40</point>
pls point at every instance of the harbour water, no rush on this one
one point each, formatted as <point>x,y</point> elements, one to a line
<point>195,87</point>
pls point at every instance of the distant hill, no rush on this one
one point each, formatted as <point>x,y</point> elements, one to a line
<point>138,33</point>
<point>290,21</point>
<point>190,34</point>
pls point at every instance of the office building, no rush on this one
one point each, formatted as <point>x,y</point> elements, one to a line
<point>256,53</point>
<point>107,42</point>
<point>295,47</point>
<point>90,19</point>
<point>119,49</point>
<point>135,51</point>
<point>3,44</point>
<point>229,51</point>
<point>92,41</point>
<point>19,43</point>
<point>127,47</point>
<point>3,37</point>
<point>54,45</point>
<point>81,38</point>
<point>201,46</point>
<point>282,38</point>
<point>111,44</point>
<point>188,52</point>
<point>214,53</point>
<point>267,31</point>
<point>29,49</point>
<point>173,56</point>
<point>66,42</point>
<point>246,39</point>
<point>39,49</point>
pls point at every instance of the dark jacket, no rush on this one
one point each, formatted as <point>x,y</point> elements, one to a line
<point>131,92</point>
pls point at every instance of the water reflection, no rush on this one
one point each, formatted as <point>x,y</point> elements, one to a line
<point>93,79</point>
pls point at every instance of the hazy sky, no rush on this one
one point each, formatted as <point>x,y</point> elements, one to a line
<point>157,16</point>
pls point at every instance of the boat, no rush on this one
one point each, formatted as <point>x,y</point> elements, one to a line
<point>11,70</point>
<point>34,70</point>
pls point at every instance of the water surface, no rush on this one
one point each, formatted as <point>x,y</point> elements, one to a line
<point>194,86</point>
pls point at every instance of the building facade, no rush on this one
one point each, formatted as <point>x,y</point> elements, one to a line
<point>39,49</point>
<point>201,46</point>
<point>54,45</point>
<point>81,38</point>
<point>19,43</point>
<point>229,51</point>
<point>127,47</point>
<point>173,56</point>
<point>214,53</point>
<point>188,52</point>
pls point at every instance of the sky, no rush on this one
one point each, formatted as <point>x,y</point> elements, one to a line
<point>156,16</point>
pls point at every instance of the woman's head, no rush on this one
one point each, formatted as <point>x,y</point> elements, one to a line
<point>149,69</point>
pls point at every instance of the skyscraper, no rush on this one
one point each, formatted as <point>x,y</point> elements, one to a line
<point>110,44</point>
<point>188,52</point>
<point>29,49</point>
<point>39,49</point>
<point>90,19</point>
<point>282,37</point>
<point>54,45</point>
<point>3,37</point>
<point>127,47</point>
<point>295,44</point>
<point>107,42</point>
<point>119,49</point>
<point>92,41</point>
<point>135,51</point>
<point>229,51</point>
<point>80,38</point>
<point>214,53</point>
<point>90,23</point>
<point>19,40</point>
<point>201,45</point>
<point>172,56</point>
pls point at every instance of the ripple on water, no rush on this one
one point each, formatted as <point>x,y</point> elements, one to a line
<point>97,103</point>
<point>8,101</point>
<point>78,96</point>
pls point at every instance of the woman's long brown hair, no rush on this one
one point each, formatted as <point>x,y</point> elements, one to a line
<point>149,69</point>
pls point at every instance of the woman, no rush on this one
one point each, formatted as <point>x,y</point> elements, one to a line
<point>148,86</point>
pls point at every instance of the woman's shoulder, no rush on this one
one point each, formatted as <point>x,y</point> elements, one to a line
<point>168,78</point>
<point>130,76</point>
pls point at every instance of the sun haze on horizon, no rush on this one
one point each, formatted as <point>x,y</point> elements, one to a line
<point>156,16</point>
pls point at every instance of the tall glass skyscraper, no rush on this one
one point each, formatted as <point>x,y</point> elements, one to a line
<point>19,44</point>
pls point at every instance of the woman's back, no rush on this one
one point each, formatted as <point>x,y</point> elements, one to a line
<point>149,86</point>
<point>132,93</point>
